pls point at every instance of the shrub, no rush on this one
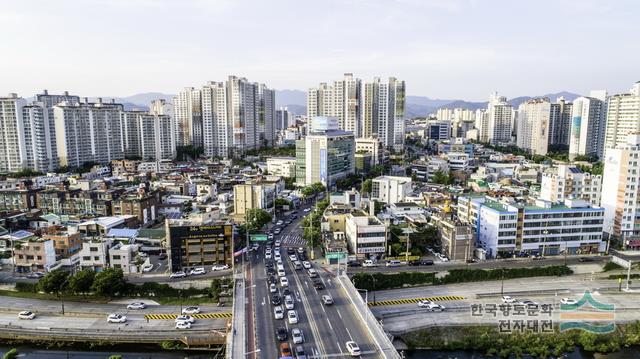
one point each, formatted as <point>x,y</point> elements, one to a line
<point>11,354</point>
<point>379,281</point>
<point>27,287</point>
<point>611,266</point>
<point>478,275</point>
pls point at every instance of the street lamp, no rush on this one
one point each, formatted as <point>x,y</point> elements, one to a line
<point>545,233</point>
<point>374,287</point>
<point>502,281</point>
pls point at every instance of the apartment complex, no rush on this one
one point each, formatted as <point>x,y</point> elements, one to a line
<point>365,109</point>
<point>588,126</point>
<point>621,191</point>
<point>623,117</point>
<point>541,228</point>
<point>533,126</point>
<point>569,182</point>
<point>226,118</point>
<point>499,121</point>
<point>559,122</point>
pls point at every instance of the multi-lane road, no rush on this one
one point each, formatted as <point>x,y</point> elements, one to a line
<point>326,328</point>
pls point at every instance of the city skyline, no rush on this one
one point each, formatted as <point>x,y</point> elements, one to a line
<point>447,50</point>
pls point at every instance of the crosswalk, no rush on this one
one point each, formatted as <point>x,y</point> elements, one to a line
<point>415,300</point>
<point>293,240</point>
<point>197,316</point>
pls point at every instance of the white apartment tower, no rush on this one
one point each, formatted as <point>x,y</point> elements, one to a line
<point>13,150</point>
<point>587,126</point>
<point>188,117</point>
<point>560,117</point>
<point>500,119</point>
<point>623,117</point>
<point>533,126</point>
<point>621,191</point>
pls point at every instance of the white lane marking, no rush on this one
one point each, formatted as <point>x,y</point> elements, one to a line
<point>347,329</point>
<point>263,300</point>
<point>340,315</point>
<point>330,326</point>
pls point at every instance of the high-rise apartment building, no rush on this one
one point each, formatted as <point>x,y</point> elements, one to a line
<point>559,120</point>
<point>623,117</point>
<point>533,126</point>
<point>365,109</point>
<point>499,120</point>
<point>621,191</point>
<point>226,118</point>
<point>88,132</point>
<point>326,154</point>
<point>588,126</point>
<point>12,145</point>
<point>284,118</point>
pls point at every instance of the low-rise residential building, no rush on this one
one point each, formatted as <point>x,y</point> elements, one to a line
<point>457,239</point>
<point>123,256</point>
<point>372,147</point>
<point>458,161</point>
<point>282,166</point>
<point>66,244</point>
<point>423,170</point>
<point>390,189</point>
<point>543,228</point>
<point>366,235</point>
<point>94,254</point>
<point>249,196</point>
<point>567,181</point>
<point>34,255</point>
<point>142,204</point>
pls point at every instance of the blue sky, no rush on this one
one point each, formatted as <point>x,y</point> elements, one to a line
<point>441,48</point>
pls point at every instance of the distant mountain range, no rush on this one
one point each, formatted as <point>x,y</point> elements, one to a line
<point>296,101</point>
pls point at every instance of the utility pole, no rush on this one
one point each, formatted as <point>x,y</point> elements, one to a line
<point>502,282</point>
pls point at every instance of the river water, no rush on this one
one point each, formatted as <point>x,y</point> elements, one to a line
<point>626,353</point>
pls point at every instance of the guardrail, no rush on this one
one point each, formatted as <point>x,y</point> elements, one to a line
<point>381,339</point>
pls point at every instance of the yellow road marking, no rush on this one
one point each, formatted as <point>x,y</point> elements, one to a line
<point>197,316</point>
<point>415,300</point>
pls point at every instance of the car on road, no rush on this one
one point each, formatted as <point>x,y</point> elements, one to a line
<point>183,325</point>
<point>568,301</point>
<point>282,334</point>
<point>179,274</point>
<point>278,242</point>
<point>267,254</point>
<point>276,300</point>
<point>285,350</point>
<point>306,264</point>
<point>318,285</point>
<point>272,288</point>
<point>327,300</point>
<point>276,232</point>
<point>297,336</point>
<point>191,310</point>
<point>431,306</point>
<point>25,314</point>
<point>278,313</point>
<point>529,303</point>
<point>198,271</point>
<point>279,223</point>
<point>297,265</point>
<point>508,299</point>
<point>185,318</point>
<point>288,303</point>
<point>369,263</point>
<point>353,348</point>
<point>162,256</point>
<point>286,292</point>
<point>291,250</point>
<point>284,282</point>
<point>147,268</point>
<point>300,353</point>
<point>116,318</point>
<point>421,262</point>
<point>307,210</point>
<point>293,257</point>
<point>585,259</point>
<point>312,273</point>
<point>35,275</point>
<point>292,315</point>
<point>300,250</point>
<point>136,306</point>
<point>281,273</point>
<point>218,267</point>
<point>393,263</point>
<point>272,279</point>
<point>353,264</point>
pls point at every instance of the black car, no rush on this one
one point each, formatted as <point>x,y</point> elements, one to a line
<point>353,264</point>
<point>162,256</point>
<point>291,250</point>
<point>276,300</point>
<point>300,354</point>
<point>282,334</point>
<point>318,285</point>
<point>421,262</point>
<point>286,291</point>
<point>584,259</point>
<point>273,280</point>
<point>302,256</point>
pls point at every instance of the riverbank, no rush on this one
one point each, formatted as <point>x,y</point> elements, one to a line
<point>31,351</point>
<point>488,340</point>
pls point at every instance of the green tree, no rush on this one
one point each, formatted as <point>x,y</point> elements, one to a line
<point>257,218</point>
<point>109,283</point>
<point>367,186</point>
<point>377,207</point>
<point>441,177</point>
<point>82,281</point>
<point>281,202</point>
<point>317,187</point>
<point>54,282</point>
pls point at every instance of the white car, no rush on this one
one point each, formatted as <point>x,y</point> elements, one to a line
<point>568,301</point>
<point>116,318</point>
<point>198,271</point>
<point>306,264</point>
<point>424,303</point>
<point>147,268</point>
<point>353,348</point>
<point>218,267</point>
<point>185,318</point>
<point>278,313</point>
<point>508,299</point>
<point>288,303</point>
<point>293,258</point>
<point>307,210</point>
<point>284,282</point>
<point>191,310</point>
<point>272,288</point>
<point>277,256</point>
<point>278,243</point>
<point>433,307</point>
<point>267,254</point>
<point>327,300</point>
<point>183,325</point>
<point>25,314</point>
<point>136,305</point>
<point>292,316</point>
<point>297,336</point>
<point>180,274</point>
